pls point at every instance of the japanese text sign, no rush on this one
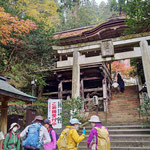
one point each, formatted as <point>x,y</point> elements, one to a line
<point>54,112</point>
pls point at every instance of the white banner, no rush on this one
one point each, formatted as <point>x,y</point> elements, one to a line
<point>54,112</point>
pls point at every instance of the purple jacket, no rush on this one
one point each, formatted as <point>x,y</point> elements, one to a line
<point>92,133</point>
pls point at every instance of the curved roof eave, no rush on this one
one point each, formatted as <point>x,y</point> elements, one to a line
<point>114,27</point>
<point>7,90</point>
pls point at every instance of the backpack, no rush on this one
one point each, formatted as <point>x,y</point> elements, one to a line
<point>8,139</point>
<point>32,140</point>
<point>62,141</point>
<point>57,136</point>
<point>103,141</point>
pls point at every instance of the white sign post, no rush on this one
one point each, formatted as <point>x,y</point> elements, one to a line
<point>54,112</point>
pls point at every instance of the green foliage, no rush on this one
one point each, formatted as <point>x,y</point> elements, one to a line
<point>87,13</point>
<point>22,74</point>
<point>145,108</point>
<point>74,104</point>
<point>117,5</point>
<point>39,44</point>
<point>33,56</point>
<point>20,108</point>
<point>138,20</point>
<point>3,2</point>
<point>66,4</point>
<point>3,58</point>
<point>114,5</point>
<point>44,11</point>
<point>69,4</point>
<point>137,63</point>
<point>17,103</point>
<point>138,15</point>
<point>26,61</point>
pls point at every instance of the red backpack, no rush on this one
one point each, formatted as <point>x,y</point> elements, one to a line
<point>9,138</point>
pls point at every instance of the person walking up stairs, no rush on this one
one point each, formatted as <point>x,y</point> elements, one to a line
<point>69,138</point>
<point>124,136</point>
<point>99,137</point>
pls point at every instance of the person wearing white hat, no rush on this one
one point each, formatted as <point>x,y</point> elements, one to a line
<point>72,136</point>
<point>12,139</point>
<point>99,137</point>
<point>35,135</point>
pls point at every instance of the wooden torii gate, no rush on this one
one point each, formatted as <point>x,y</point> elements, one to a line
<point>107,48</point>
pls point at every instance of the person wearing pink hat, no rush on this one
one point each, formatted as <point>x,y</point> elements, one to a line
<point>12,139</point>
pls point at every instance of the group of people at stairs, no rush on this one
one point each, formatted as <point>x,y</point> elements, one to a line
<point>41,135</point>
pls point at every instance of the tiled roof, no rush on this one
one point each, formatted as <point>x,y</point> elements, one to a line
<point>7,90</point>
<point>72,32</point>
<point>110,29</point>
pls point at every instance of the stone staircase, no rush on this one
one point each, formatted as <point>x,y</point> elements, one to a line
<point>124,137</point>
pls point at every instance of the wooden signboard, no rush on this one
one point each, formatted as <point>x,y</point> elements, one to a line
<point>107,48</point>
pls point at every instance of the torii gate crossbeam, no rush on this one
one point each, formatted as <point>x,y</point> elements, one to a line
<point>142,51</point>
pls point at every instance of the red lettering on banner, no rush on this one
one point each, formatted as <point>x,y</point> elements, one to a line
<point>54,113</point>
<point>54,105</point>
<point>54,120</point>
<point>53,116</point>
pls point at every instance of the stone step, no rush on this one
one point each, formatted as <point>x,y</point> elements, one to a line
<point>129,131</point>
<point>129,137</point>
<point>121,148</point>
<point>130,144</point>
<point>122,127</point>
<point>124,137</point>
<point>128,127</point>
<point>124,131</point>
<point>126,143</point>
<point>128,148</point>
<point>133,137</point>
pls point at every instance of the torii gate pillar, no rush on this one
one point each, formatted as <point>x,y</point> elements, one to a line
<point>76,75</point>
<point>146,62</point>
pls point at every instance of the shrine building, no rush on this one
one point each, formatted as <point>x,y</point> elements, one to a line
<point>84,69</point>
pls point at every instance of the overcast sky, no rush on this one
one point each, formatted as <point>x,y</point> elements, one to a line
<point>99,1</point>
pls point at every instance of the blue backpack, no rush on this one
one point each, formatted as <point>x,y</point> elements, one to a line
<point>32,140</point>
